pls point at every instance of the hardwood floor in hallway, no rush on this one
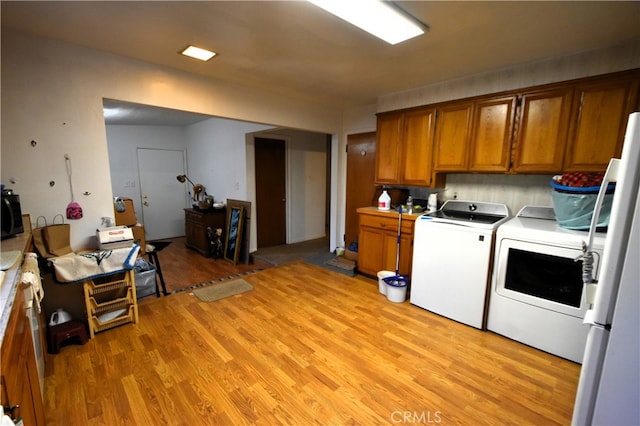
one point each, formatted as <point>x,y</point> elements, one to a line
<point>183,267</point>
<point>305,346</point>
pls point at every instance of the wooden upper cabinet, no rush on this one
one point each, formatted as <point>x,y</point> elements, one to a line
<point>600,114</point>
<point>451,145</point>
<point>568,126</point>
<point>388,134</point>
<point>404,147</point>
<point>419,127</point>
<point>490,145</point>
<point>543,126</point>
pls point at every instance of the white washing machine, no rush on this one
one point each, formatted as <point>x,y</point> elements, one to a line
<point>537,292</point>
<point>452,252</point>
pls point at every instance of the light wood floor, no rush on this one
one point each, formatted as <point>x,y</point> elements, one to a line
<point>183,267</point>
<point>306,346</point>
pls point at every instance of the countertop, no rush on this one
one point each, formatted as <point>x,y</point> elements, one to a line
<point>11,278</point>
<point>389,213</point>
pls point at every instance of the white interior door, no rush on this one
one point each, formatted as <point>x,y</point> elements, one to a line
<point>162,195</point>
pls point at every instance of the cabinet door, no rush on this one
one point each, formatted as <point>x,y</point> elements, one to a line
<point>388,135</point>
<point>370,250</point>
<point>491,135</point>
<point>390,250</point>
<point>19,380</point>
<point>419,127</point>
<point>542,131</point>
<point>599,119</point>
<point>453,128</point>
<point>195,232</point>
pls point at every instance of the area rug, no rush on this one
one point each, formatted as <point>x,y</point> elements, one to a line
<point>329,261</point>
<point>288,253</point>
<point>220,291</point>
<point>217,280</point>
<point>342,263</point>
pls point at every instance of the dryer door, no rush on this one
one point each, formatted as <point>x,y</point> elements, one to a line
<point>546,276</point>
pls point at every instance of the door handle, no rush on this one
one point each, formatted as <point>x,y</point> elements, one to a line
<point>9,409</point>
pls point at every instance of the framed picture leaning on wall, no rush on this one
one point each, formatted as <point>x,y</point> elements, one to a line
<point>233,238</point>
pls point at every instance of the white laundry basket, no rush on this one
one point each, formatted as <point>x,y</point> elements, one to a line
<point>382,286</point>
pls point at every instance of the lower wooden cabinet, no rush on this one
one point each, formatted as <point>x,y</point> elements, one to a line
<point>378,241</point>
<point>20,380</point>
<point>196,223</point>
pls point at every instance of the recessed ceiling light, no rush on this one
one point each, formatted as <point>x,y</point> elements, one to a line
<point>376,17</point>
<point>198,53</point>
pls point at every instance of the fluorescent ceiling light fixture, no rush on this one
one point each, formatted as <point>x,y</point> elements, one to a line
<point>198,53</point>
<point>376,17</point>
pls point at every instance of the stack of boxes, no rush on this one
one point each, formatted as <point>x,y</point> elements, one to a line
<point>144,272</point>
<point>128,219</point>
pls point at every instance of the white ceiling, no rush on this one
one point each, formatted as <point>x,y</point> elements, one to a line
<point>294,49</point>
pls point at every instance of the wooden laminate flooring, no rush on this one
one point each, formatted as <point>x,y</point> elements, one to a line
<point>183,267</point>
<point>305,346</point>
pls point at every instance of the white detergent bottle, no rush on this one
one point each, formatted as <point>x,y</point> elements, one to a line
<point>384,201</point>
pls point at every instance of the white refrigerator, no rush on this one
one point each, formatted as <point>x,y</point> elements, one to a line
<point>609,387</point>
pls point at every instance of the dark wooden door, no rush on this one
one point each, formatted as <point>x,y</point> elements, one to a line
<point>361,169</point>
<point>270,192</point>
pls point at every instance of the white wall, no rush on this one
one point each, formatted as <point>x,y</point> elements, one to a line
<point>122,143</point>
<point>603,61</point>
<point>216,156</point>
<point>52,92</point>
<point>306,192</point>
<point>220,158</point>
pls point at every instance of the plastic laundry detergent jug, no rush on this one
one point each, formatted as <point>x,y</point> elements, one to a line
<point>58,317</point>
<point>384,202</point>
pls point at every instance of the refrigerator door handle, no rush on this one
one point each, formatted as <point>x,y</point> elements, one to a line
<point>589,318</point>
<point>611,175</point>
<point>590,292</point>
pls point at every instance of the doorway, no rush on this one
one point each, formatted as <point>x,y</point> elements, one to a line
<point>162,196</point>
<point>361,190</point>
<point>270,175</point>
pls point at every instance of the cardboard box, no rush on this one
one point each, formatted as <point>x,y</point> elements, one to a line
<point>115,237</point>
<point>128,216</point>
<point>138,236</point>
